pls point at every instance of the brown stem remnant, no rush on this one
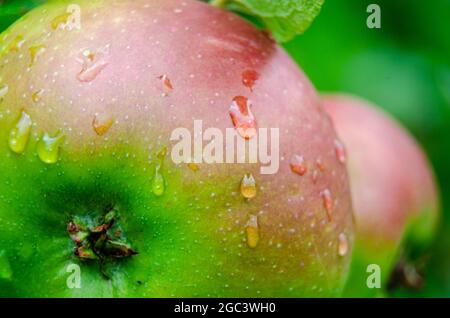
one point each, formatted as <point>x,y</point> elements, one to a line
<point>97,242</point>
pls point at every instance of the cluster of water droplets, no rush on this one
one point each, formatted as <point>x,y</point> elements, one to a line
<point>92,63</point>
<point>300,167</point>
<point>47,147</point>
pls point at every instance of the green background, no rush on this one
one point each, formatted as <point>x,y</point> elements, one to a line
<point>404,67</point>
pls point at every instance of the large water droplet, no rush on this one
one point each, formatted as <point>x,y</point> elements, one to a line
<point>340,151</point>
<point>48,148</point>
<point>20,133</point>
<point>101,124</point>
<point>327,203</point>
<point>252,231</point>
<point>91,66</point>
<point>342,244</point>
<point>35,51</point>
<point>248,186</point>
<point>249,77</point>
<point>158,183</point>
<point>298,165</point>
<point>242,117</point>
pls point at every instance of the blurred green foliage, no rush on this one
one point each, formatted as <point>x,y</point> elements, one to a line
<point>404,67</point>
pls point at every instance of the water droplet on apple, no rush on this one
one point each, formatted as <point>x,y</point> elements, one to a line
<point>48,147</point>
<point>15,44</point>
<point>248,186</point>
<point>36,96</point>
<point>249,77</point>
<point>298,165</point>
<point>35,51</point>
<point>87,56</point>
<point>162,153</point>
<point>327,203</point>
<point>60,21</point>
<point>193,166</point>
<point>158,183</point>
<point>90,73</point>
<point>340,151</point>
<point>342,244</point>
<point>166,82</point>
<point>91,66</point>
<point>101,124</point>
<point>3,91</point>
<point>167,85</point>
<point>242,117</point>
<point>252,231</point>
<point>20,133</point>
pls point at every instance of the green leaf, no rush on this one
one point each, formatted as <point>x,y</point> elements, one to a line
<point>284,18</point>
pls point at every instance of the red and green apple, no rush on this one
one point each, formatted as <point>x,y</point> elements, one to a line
<point>91,92</point>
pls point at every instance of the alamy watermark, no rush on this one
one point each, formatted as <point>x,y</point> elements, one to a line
<point>374,19</point>
<point>262,148</point>
<point>74,279</point>
<point>374,278</point>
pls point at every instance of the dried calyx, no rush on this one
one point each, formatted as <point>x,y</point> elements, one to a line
<point>101,241</point>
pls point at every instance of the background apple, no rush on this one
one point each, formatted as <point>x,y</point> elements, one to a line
<point>87,179</point>
<point>393,190</point>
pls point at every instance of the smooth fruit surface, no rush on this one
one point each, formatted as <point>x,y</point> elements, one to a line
<point>87,178</point>
<point>393,189</point>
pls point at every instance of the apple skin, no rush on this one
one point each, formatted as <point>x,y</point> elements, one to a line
<point>191,240</point>
<point>393,189</point>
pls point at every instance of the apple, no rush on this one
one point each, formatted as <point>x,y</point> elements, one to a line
<point>393,190</point>
<point>98,95</point>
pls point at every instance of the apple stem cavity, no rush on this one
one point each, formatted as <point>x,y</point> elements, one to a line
<point>103,241</point>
